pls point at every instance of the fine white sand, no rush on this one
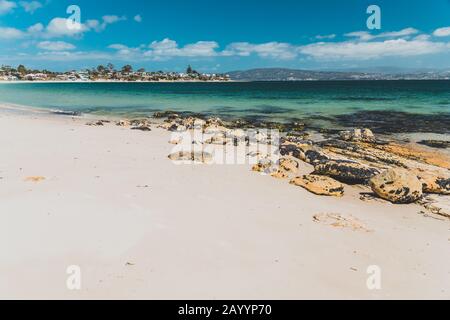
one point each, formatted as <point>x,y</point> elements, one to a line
<point>141,227</point>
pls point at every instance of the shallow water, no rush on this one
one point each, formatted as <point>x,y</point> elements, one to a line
<point>319,102</point>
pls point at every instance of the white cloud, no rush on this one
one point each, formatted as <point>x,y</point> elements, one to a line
<point>30,6</point>
<point>326,36</point>
<point>168,48</point>
<point>55,46</point>
<point>442,32</point>
<point>367,36</point>
<point>276,50</point>
<point>7,6</point>
<point>59,27</point>
<point>138,18</point>
<point>372,50</point>
<point>10,33</point>
<point>35,29</point>
<point>99,26</point>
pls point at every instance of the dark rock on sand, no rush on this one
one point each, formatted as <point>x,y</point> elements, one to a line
<point>346,171</point>
<point>142,128</point>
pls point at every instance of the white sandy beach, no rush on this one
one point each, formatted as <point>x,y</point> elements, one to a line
<point>141,227</point>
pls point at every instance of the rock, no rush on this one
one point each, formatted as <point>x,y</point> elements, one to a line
<point>142,128</point>
<point>346,171</point>
<point>315,157</point>
<point>176,127</point>
<point>365,135</point>
<point>139,122</point>
<point>264,165</point>
<point>361,151</point>
<point>165,114</point>
<point>123,123</point>
<point>193,123</point>
<point>289,149</point>
<point>280,174</point>
<point>214,122</point>
<point>212,129</point>
<point>218,139</point>
<point>439,144</point>
<point>97,123</point>
<point>165,125</point>
<point>320,185</point>
<point>433,182</point>
<point>397,186</point>
<point>289,165</point>
<point>203,157</point>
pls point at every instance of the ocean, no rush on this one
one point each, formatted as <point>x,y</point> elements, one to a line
<point>414,105</point>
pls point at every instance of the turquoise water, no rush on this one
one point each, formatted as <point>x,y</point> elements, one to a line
<point>266,100</point>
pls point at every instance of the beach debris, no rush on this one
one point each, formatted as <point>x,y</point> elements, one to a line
<point>365,135</point>
<point>346,171</point>
<point>397,186</point>
<point>438,144</point>
<point>320,185</point>
<point>195,156</point>
<point>35,179</point>
<point>340,221</point>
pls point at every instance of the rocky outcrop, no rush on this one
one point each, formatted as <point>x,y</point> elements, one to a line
<point>265,165</point>
<point>362,151</point>
<point>346,171</point>
<point>320,185</point>
<point>397,186</point>
<point>433,182</point>
<point>289,165</point>
<point>365,135</point>
<point>415,153</point>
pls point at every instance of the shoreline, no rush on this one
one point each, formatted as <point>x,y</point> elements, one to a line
<point>141,227</point>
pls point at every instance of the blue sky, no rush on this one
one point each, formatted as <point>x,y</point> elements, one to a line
<point>219,35</point>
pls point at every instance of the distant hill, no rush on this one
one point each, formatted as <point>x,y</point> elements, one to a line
<point>281,74</point>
